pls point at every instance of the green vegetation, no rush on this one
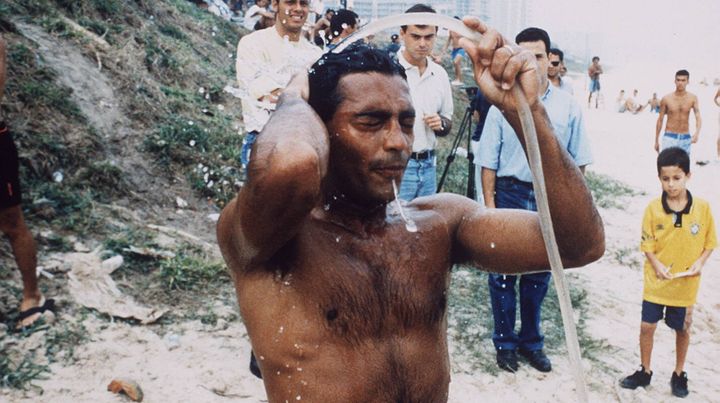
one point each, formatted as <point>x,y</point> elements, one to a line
<point>20,375</point>
<point>606,191</point>
<point>190,270</point>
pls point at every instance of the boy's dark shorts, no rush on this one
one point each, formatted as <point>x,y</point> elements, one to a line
<point>9,170</point>
<point>676,317</point>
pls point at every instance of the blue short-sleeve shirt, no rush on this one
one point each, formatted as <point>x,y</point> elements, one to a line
<point>499,148</point>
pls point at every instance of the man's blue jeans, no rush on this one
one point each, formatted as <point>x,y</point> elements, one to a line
<point>247,144</point>
<point>511,193</point>
<point>419,179</point>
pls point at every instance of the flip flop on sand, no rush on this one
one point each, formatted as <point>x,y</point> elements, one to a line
<point>45,305</point>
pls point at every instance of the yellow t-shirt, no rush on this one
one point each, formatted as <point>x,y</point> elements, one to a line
<point>678,242</point>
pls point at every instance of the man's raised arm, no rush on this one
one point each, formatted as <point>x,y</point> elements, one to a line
<point>284,176</point>
<point>504,240</point>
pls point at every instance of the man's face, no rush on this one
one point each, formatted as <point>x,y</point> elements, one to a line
<point>554,65</point>
<point>681,82</point>
<point>538,49</point>
<point>370,136</point>
<point>263,3</point>
<point>419,42</point>
<point>292,14</point>
<point>673,180</point>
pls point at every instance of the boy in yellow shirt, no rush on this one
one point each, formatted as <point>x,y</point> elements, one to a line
<point>678,236</point>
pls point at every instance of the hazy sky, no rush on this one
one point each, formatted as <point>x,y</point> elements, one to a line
<point>678,32</point>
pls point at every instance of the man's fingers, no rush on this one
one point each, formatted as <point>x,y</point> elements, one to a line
<point>475,24</point>
<point>499,62</point>
<point>488,45</point>
<point>517,64</point>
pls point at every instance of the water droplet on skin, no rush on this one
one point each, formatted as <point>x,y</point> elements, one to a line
<point>279,374</point>
<point>326,207</point>
<point>298,397</point>
<point>337,239</point>
<point>492,245</point>
<point>281,329</point>
<point>299,369</point>
<point>262,357</point>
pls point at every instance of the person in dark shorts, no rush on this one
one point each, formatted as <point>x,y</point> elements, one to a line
<point>12,222</point>
<point>678,236</point>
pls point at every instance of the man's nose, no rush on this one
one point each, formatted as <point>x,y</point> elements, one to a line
<point>395,138</point>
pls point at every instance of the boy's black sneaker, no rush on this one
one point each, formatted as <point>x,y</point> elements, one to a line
<point>639,378</point>
<point>678,383</point>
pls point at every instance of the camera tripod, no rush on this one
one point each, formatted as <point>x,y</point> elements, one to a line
<point>464,132</point>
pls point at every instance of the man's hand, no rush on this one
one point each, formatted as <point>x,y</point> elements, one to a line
<point>695,137</point>
<point>498,64</point>
<point>657,146</point>
<point>434,122</point>
<point>273,97</point>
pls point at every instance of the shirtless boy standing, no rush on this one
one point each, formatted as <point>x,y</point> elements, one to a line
<point>677,106</point>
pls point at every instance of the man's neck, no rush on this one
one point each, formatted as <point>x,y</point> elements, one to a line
<point>280,29</point>
<point>555,80</point>
<point>680,92</point>
<point>354,217</point>
<point>420,63</point>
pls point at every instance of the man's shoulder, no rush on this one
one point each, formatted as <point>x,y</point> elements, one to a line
<point>256,36</point>
<point>437,70</point>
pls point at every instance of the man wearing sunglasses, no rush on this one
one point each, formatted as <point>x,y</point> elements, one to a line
<point>556,59</point>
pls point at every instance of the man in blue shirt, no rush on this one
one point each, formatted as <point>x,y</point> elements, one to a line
<point>507,183</point>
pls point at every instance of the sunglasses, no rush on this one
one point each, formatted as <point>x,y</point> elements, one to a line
<point>557,63</point>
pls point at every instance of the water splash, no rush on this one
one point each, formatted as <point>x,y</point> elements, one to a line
<point>409,223</point>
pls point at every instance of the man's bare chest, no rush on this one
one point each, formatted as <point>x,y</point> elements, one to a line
<point>369,286</point>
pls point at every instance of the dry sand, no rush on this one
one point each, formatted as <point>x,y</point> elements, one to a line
<point>209,363</point>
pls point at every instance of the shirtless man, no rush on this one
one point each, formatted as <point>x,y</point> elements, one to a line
<point>320,32</point>
<point>677,106</point>
<point>343,302</point>
<point>456,55</point>
<point>594,72</point>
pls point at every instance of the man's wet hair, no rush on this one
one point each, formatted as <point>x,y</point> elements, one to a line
<point>595,58</point>
<point>418,8</point>
<point>534,34</point>
<point>342,17</point>
<point>682,73</point>
<point>674,157</point>
<point>326,73</point>
<point>557,52</point>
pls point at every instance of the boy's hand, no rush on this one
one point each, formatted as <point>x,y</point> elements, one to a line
<point>695,269</point>
<point>662,272</point>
